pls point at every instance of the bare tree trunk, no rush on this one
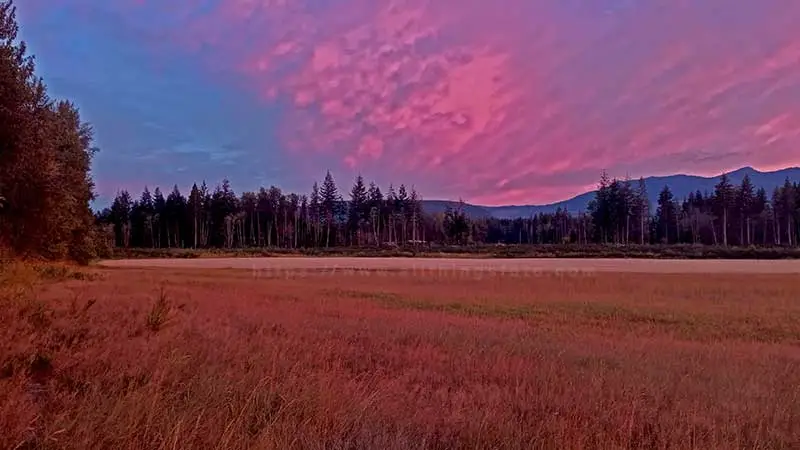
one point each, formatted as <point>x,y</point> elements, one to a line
<point>376,228</point>
<point>252,234</point>
<point>295,227</point>
<point>327,232</point>
<point>627,229</point>
<point>743,232</point>
<point>258,229</point>
<point>747,224</point>
<point>641,229</point>
<point>725,227</point>
<point>285,227</point>
<point>714,231</point>
<point>126,234</point>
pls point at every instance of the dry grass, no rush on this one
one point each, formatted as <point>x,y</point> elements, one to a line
<point>138,358</point>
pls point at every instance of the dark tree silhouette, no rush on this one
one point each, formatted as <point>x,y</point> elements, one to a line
<point>45,156</point>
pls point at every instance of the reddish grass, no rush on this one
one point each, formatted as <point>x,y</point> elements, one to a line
<point>137,358</point>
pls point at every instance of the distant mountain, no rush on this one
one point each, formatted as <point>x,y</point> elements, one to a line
<point>681,186</point>
<point>440,206</point>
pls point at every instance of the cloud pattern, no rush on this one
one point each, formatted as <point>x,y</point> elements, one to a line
<point>503,102</point>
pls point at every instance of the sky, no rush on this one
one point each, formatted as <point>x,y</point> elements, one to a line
<point>502,102</point>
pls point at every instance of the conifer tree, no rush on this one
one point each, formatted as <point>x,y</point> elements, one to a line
<point>330,200</point>
<point>724,195</point>
<point>666,215</point>
<point>745,198</point>
<point>357,213</point>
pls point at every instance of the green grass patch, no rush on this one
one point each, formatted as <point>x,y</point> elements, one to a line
<point>683,325</point>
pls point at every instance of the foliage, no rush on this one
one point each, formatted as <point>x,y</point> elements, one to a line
<point>433,250</point>
<point>620,215</point>
<point>45,155</point>
<point>456,225</point>
<point>159,313</point>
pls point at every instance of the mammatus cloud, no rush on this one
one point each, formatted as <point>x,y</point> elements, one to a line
<point>512,101</point>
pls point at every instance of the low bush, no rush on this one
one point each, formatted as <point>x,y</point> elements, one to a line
<point>682,251</point>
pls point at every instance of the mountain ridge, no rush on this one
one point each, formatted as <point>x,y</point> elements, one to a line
<point>680,184</point>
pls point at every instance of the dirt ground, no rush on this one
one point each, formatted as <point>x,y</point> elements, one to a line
<point>466,264</point>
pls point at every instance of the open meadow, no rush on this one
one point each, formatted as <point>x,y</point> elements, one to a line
<point>393,358</point>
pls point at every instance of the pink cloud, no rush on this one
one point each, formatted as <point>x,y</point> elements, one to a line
<point>516,101</point>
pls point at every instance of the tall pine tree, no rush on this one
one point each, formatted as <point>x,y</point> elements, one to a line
<point>357,213</point>
<point>724,197</point>
<point>330,202</point>
<point>666,216</point>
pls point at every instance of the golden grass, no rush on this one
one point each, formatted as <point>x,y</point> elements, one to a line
<point>138,358</point>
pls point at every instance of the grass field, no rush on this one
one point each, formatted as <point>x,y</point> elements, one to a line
<point>166,358</point>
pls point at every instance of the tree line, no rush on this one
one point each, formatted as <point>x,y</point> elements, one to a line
<point>730,215</point>
<point>268,217</point>
<point>619,214</point>
<point>45,156</point>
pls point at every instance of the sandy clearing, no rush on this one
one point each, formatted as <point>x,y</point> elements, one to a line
<point>464,264</point>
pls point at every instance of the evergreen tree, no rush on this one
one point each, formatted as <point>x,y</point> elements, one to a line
<point>724,197</point>
<point>146,210</point>
<point>357,213</point>
<point>414,213</point>
<point>293,214</point>
<point>745,198</point>
<point>777,209</point>
<point>600,209</point>
<point>760,211</point>
<point>315,213</point>
<point>400,211</point>
<point>456,224</point>
<point>247,218</point>
<point>666,215</point>
<point>195,208</point>
<point>376,207</point>
<point>175,211</point>
<point>626,207</point>
<point>796,215</point>
<point>159,210</point>
<point>787,198</point>
<point>390,205</point>
<point>222,207</point>
<point>121,210</point>
<point>642,209</point>
<point>330,200</point>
